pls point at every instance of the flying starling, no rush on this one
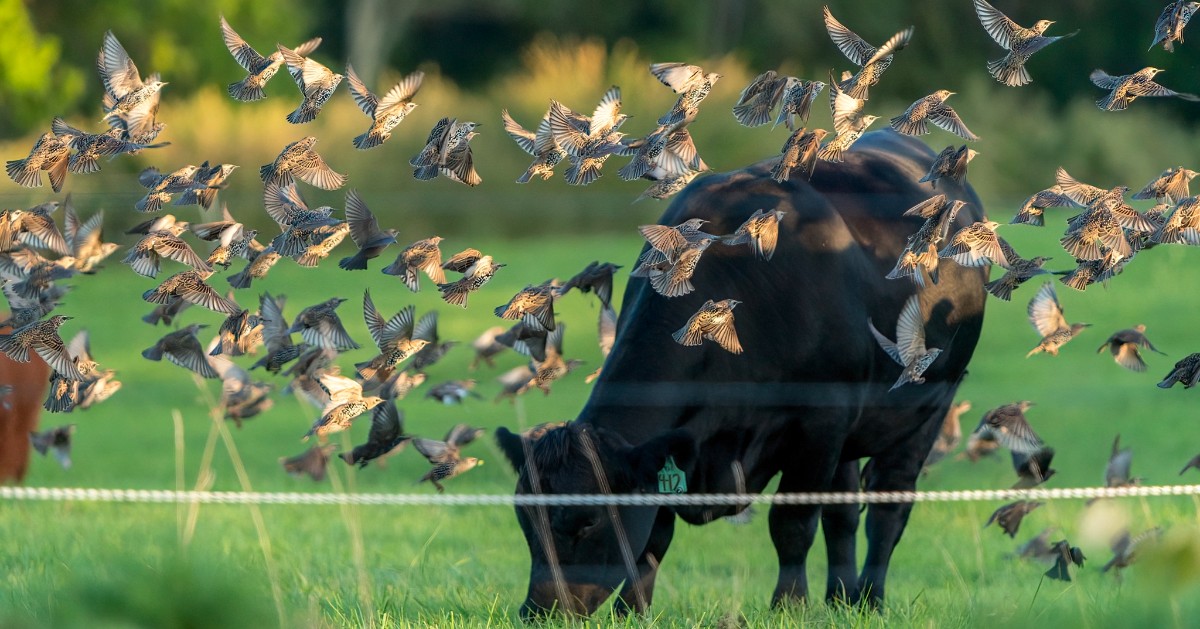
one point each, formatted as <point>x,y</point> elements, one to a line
<point>978,245</point>
<point>1186,371</point>
<point>300,159</point>
<point>909,349</point>
<point>690,82</point>
<point>1020,270</point>
<point>365,231</point>
<point>421,256</point>
<point>1126,88</point>
<point>321,327</point>
<point>713,322</point>
<point>674,279</point>
<point>50,154</point>
<point>1170,187</point>
<point>872,61</point>
<point>346,402</point>
<point>397,387</point>
<point>393,337</point>
<point>1020,43</point>
<point>241,397</point>
<point>1126,548</point>
<point>950,434</point>
<point>145,255</point>
<point>1194,462</point>
<point>1064,555</point>
<point>446,460</point>
<point>486,346</point>
<point>799,154</point>
<point>1009,517</point>
<point>36,228</point>
<point>587,148</point>
<point>322,242</point>
<point>1171,22</point>
<point>1032,210</point>
<point>920,256</point>
<point>849,122</point>
<point>41,337</point>
<point>182,348</point>
<point>206,183</point>
<point>932,108</point>
<point>316,82</point>
<point>384,113</point>
<point>668,186</point>
<point>122,79</point>
<point>540,144</point>
<point>162,186</point>
<point>90,147</point>
<point>533,304</point>
<point>1033,469</point>
<point>796,102</point>
<point>761,96</point>
<point>1182,226</point>
<point>1047,318</point>
<point>260,260</point>
<point>760,231</point>
<point>286,206</point>
<point>453,392</point>
<point>950,163</point>
<point>513,382</point>
<point>1007,425</point>
<point>555,366</point>
<point>1037,548</point>
<point>435,349</point>
<point>1124,346</point>
<point>55,440</point>
<point>241,333</point>
<point>312,462</point>
<point>280,349</point>
<point>447,151</point>
<point>478,271</point>
<point>260,68</point>
<point>190,286</point>
<point>232,237</point>
<point>385,439</point>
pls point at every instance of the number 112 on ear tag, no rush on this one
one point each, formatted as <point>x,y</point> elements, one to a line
<point>671,479</point>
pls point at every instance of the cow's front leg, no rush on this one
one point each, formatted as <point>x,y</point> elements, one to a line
<point>647,565</point>
<point>793,527</point>
<point>839,523</point>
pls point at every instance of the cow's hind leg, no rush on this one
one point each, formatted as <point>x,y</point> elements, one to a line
<point>793,527</point>
<point>840,526</point>
<point>896,469</point>
<point>647,565</point>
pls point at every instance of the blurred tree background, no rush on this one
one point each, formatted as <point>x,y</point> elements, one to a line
<point>484,55</point>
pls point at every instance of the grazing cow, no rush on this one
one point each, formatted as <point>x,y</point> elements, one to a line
<point>807,399</point>
<point>19,411</point>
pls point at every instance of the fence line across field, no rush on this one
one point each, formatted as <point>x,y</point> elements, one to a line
<point>78,494</point>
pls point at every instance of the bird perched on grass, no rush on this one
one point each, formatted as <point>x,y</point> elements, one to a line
<point>299,159</point>
<point>56,441</point>
<point>1018,272</point>
<point>1032,210</point>
<point>453,392</point>
<point>909,349</point>
<point>385,439</point>
<point>123,81</point>
<point>1009,517</point>
<point>50,154</point>
<point>205,185</point>
<point>365,232</point>
<point>190,286</point>
<point>872,61</point>
<point>713,322</point>
<point>320,326</point>
<point>540,144</point>
<point>760,231</point>
<point>1170,187</point>
<point>692,84</point>
<point>261,69</point>
<point>477,269</point>
<point>312,462</point>
<point>421,256</point>
<point>950,163</point>
<point>385,113</point>
<point>182,348</point>
<point>1021,43</point>
<point>533,304</point>
<point>1064,555</point>
<point>393,337</point>
<point>317,84</point>
<point>346,402</point>
<point>1124,346</point>
<point>447,152</point>
<point>1126,88</point>
<point>1171,22</point>
<point>1046,316</point>
<point>932,108</point>
<point>799,154</point>
<point>446,459</point>
<point>1187,371</point>
<point>41,337</point>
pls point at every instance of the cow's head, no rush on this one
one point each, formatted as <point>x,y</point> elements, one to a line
<point>581,554</point>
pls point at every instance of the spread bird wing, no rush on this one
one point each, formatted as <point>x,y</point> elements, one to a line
<point>998,25</point>
<point>1045,313</point>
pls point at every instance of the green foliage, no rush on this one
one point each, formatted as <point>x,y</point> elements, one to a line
<point>33,81</point>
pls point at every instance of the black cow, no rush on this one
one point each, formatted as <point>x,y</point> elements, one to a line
<point>807,399</point>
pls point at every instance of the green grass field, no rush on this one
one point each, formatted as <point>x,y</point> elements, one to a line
<point>81,564</point>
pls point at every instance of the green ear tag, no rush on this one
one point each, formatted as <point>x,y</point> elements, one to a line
<point>671,479</point>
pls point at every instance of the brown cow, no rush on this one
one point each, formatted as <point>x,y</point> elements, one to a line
<point>19,412</point>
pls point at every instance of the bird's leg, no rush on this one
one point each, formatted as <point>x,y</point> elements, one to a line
<point>440,489</point>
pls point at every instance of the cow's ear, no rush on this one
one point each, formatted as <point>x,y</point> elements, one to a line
<point>510,444</point>
<point>649,458</point>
